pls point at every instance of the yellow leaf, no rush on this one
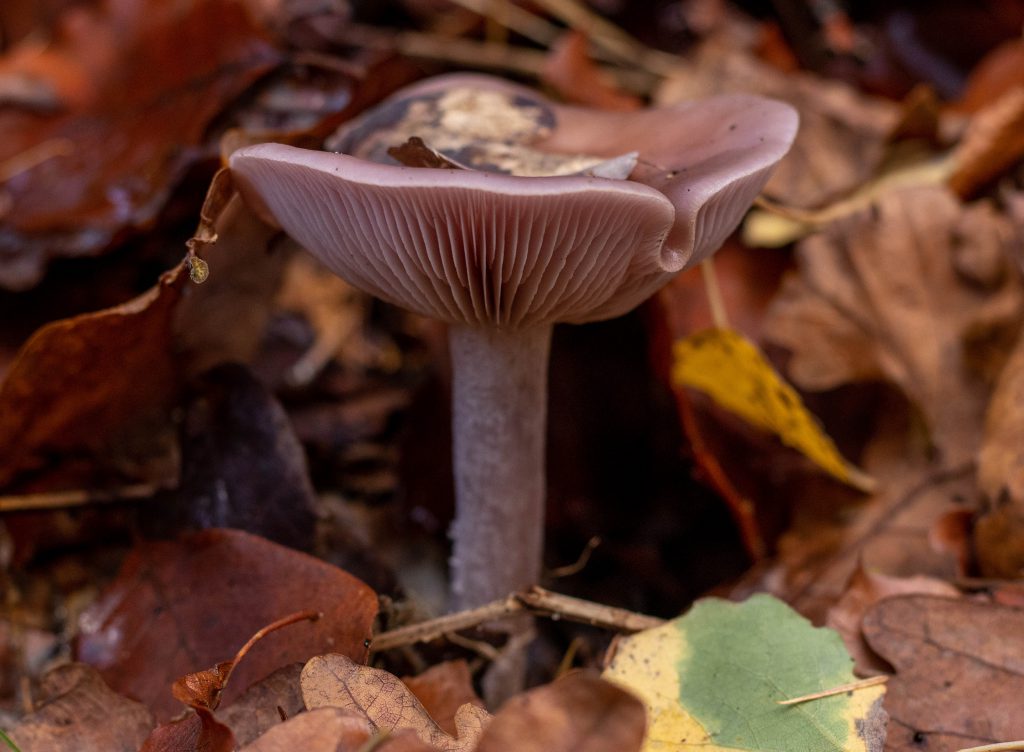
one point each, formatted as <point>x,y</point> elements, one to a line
<point>733,372</point>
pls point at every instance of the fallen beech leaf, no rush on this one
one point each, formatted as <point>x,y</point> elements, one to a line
<point>960,671</point>
<point>178,605</point>
<point>197,732</point>
<point>318,730</point>
<point>101,385</point>
<point>333,730</point>
<point>733,372</point>
<point>711,681</point>
<point>570,71</point>
<point>999,531</point>
<point>577,713</point>
<point>135,122</point>
<point>865,589</point>
<point>261,706</point>
<point>336,681</point>
<point>887,295</point>
<point>999,71</point>
<point>77,712</point>
<point>443,689</point>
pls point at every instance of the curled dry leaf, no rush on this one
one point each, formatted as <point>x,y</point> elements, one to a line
<point>890,295</point>
<point>183,604</point>
<point>333,730</point>
<point>134,122</point>
<point>960,671</point>
<point>337,681</point>
<point>77,712</point>
<point>443,689</point>
<point>999,532</point>
<point>570,71</point>
<point>100,385</point>
<point>865,589</point>
<point>578,713</point>
<point>197,732</point>
<point>263,704</point>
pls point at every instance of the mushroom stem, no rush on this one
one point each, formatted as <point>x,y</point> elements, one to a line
<point>499,413</point>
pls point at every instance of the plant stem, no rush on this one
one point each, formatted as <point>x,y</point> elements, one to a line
<point>499,417</point>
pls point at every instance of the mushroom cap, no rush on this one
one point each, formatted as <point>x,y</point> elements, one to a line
<point>482,247</point>
<point>457,245</point>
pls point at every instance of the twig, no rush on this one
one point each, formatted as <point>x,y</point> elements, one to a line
<point>555,605</point>
<point>515,18</point>
<point>76,498</point>
<point>1000,747</point>
<point>470,53</point>
<point>611,38</point>
<point>535,600</point>
<point>577,566</point>
<point>714,293</point>
<point>843,689</point>
<point>34,156</point>
<point>479,647</point>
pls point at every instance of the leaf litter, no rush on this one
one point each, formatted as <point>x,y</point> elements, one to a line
<point>894,328</point>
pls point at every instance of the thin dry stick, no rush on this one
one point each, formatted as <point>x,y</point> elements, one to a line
<point>477,54</point>
<point>843,689</point>
<point>610,37</point>
<point>515,18</point>
<point>1000,747</point>
<point>714,292</point>
<point>76,498</point>
<point>535,600</point>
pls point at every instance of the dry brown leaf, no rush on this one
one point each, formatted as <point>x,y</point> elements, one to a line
<point>179,605</point>
<point>999,532</point>
<point>443,689</point>
<point>891,294</point>
<point>77,712</point>
<point>100,385</point>
<point>136,118</point>
<point>865,589</point>
<point>993,142</point>
<point>843,134</point>
<point>571,72</point>
<point>578,713</point>
<point>261,706</point>
<point>197,732</point>
<point>337,681</point>
<point>320,730</point>
<point>960,671</point>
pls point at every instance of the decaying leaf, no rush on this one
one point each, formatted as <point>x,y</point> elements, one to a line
<point>712,680</point>
<point>337,681</point>
<point>262,705</point>
<point>865,589</point>
<point>319,730</point>
<point>577,713</point>
<point>736,375</point>
<point>134,122</point>
<point>189,603</point>
<point>960,671</point>
<point>994,141</point>
<point>891,294</point>
<point>443,689</point>
<point>77,712</point>
<point>198,731</point>
<point>999,532</point>
<point>570,71</point>
<point>99,385</point>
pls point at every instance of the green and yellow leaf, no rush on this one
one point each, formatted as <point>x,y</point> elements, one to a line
<point>712,681</point>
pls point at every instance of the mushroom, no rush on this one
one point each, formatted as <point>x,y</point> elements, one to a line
<point>503,257</point>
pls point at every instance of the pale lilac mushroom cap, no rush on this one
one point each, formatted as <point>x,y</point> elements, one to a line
<point>503,257</point>
<point>476,247</point>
